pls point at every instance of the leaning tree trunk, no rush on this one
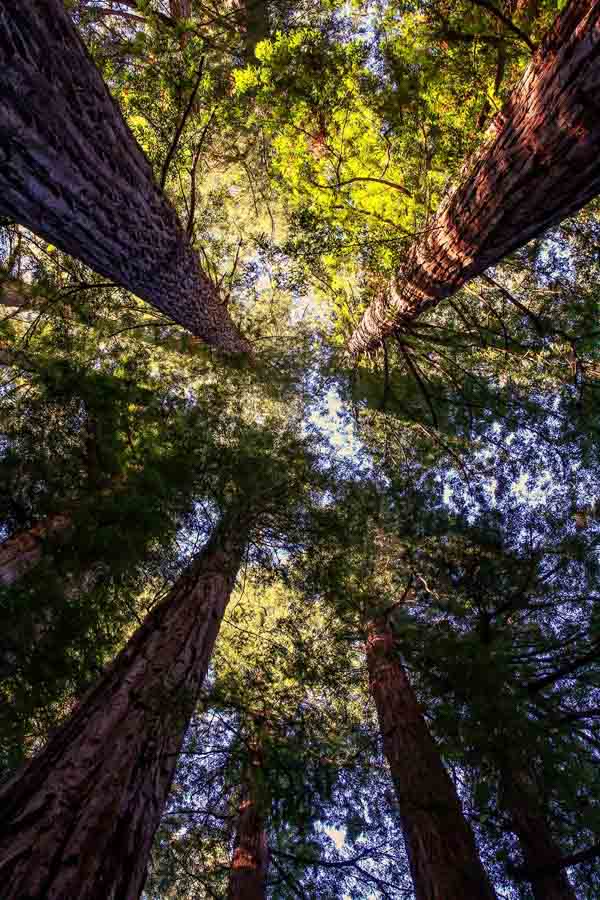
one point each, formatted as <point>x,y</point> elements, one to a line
<point>250,861</point>
<point>441,849</point>
<point>71,171</point>
<point>21,552</point>
<point>542,165</point>
<point>78,820</point>
<point>519,798</point>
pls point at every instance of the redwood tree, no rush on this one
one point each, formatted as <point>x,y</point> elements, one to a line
<point>20,552</point>
<point>440,845</point>
<point>78,819</point>
<point>250,862</point>
<point>540,853</point>
<point>542,165</point>
<point>71,171</point>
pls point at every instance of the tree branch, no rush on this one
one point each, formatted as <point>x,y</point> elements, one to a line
<point>181,126</point>
<point>506,20</point>
<point>573,859</point>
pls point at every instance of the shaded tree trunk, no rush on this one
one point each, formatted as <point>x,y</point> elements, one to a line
<point>441,849</point>
<point>255,24</point>
<point>250,862</point>
<point>21,552</point>
<point>181,9</point>
<point>542,165</point>
<point>71,171</point>
<point>518,796</point>
<point>15,294</point>
<point>78,820</point>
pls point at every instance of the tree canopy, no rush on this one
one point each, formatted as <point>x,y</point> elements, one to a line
<point>300,357</point>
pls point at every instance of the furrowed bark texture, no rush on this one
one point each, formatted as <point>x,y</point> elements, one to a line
<point>542,166</point>
<point>519,798</point>
<point>180,9</point>
<point>78,820</point>
<point>250,862</point>
<point>72,172</point>
<point>440,845</point>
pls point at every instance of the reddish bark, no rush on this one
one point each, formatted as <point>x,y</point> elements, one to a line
<point>20,553</point>
<point>78,820</point>
<point>250,862</point>
<point>440,845</point>
<point>542,165</point>
<point>540,853</point>
<point>181,9</point>
<point>71,171</point>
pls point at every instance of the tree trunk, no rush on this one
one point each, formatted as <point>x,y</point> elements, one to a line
<point>542,165</point>
<point>250,862</point>
<point>14,294</point>
<point>21,552</point>
<point>181,9</point>
<point>71,171</point>
<point>255,24</point>
<point>78,820</point>
<point>441,849</point>
<point>518,796</point>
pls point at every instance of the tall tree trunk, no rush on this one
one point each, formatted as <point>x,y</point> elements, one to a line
<point>71,171</point>
<point>542,166</point>
<point>255,24</point>
<point>181,9</point>
<point>21,552</point>
<point>78,820</point>
<point>440,845</point>
<point>518,796</point>
<point>250,861</point>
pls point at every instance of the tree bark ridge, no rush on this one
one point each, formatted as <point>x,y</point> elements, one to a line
<point>250,862</point>
<point>78,819</point>
<point>72,172</point>
<point>441,849</point>
<point>542,165</point>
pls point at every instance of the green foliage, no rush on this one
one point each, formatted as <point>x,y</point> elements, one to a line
<point>318,146</point>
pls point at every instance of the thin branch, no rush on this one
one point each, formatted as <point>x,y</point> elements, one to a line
<point>339,184</point>
<point>121,14</point>
<point>415,371</point>
<point>506,20</point>
<point>512,299</point>
<point>192,211</point>
<point>525,874</point>
<point>181,126</point>
<point>386,377</point>
<point>567,669</point>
